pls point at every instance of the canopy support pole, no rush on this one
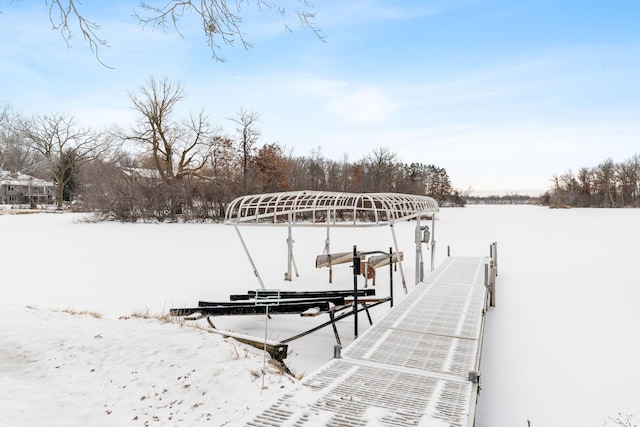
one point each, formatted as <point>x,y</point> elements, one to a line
<point>290,259</point>
<point>246,251</point>
<point>395,247</point>
<point>327,245</point>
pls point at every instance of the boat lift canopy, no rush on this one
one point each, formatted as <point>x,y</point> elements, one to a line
<point>332,209</point>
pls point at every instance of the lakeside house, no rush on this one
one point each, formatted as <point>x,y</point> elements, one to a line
<point>19,188</point>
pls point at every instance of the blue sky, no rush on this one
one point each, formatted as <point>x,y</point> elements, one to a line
<point>503,94</point>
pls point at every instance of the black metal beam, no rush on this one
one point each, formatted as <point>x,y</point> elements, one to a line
<point>251,309</point>
<point>304,294</point>
<point>335,319</point>
<point>337,300</point>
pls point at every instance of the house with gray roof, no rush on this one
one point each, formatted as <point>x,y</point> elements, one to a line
<point>18,188</point>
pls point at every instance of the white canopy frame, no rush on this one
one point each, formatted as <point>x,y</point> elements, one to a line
<point>334,209</point>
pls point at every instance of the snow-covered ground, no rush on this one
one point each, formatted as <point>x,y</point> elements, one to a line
<point>561,347</point>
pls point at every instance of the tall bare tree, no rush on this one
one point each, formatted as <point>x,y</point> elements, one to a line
<point>64,147</point>
<point>178,148</point>
<point>247,137</point>
<point>585,184</point>
<point>605,174</point>
<point>380,167</point>
<point>317,170</point>
<point>627,174</point>
<point>16,155</point>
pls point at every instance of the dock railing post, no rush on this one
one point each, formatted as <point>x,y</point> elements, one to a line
<point>489,283</point>
<point>486,276</point>
<point>391,275</point>
<point>495,256</point>
<point>356,271</point>
<point>492,284</point>
<point>492,273</point>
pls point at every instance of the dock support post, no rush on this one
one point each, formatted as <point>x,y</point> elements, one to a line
<point>337,351</point>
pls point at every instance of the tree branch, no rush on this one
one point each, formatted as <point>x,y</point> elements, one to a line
<point>59,16</point>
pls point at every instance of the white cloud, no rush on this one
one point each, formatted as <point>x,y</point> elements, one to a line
<point>363,105</point>
<point>350,102</point>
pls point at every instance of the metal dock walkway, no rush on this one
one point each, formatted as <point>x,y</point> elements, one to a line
<point>417,366</point>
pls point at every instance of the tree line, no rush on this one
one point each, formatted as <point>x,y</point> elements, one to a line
<point>608,185</point>
<point>165,167</point>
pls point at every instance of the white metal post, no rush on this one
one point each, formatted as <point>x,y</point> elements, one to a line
<point>246,251</point>
<point>418,240</point>
<point>395,247</point>
<point>289,251</point>
<point>433,242</point>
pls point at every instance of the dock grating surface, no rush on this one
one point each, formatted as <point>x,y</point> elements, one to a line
<point>411,368</point>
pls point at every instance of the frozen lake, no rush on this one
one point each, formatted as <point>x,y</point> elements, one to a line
<point>560,348</point>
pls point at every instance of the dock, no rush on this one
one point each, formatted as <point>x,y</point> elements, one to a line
<point>418,365</point>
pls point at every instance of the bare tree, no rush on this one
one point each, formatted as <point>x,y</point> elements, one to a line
<point>16,155</point>
<point>248,135</point>
<point>177,148</point>
<point>622,420</point>
<point>221,20</point>
<point>380,167</point>
<point>342,169</point>
<point>570,187</point>
<point>606,183</point>
<point>317,170</point>
<point>635,161</point>
<point>627,174</point>
<point>585,184</point>
<point>64,147</point>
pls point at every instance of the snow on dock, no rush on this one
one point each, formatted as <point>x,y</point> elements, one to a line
<point>419,365</point>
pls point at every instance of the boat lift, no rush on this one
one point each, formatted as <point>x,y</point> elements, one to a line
<point>335,209</point>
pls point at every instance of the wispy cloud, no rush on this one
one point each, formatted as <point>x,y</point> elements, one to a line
<point>363,105</point>
<point>349,101</point>
<point>351,13</point>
